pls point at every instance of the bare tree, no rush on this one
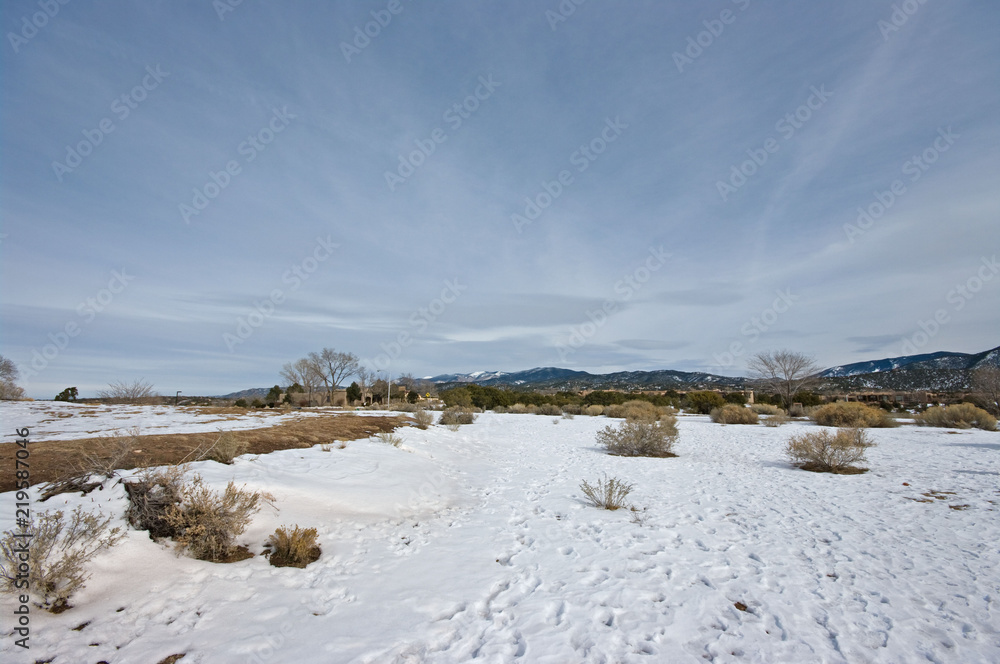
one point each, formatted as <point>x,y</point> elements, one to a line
<point>366,378</point>
<point>304,373</point>
<point>333,367</point>
<point>120,391</point>
<point>9,374</point>
<point>785,372</point>
<point>986,383</point>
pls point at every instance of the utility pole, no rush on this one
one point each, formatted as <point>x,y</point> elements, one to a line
<point>176,396</point>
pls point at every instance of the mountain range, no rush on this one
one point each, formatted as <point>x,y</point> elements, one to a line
<point>941,371</point>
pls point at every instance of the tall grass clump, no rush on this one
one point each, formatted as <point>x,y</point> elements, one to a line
<point>549,409</point>
<point>593,410</point>
<point>733,414</point>
<point>608,493</point>
<point>957,416</point>
<point>828,452</point>
<point>765,409</point>
<point>852,414</point>
<point>292,548</point>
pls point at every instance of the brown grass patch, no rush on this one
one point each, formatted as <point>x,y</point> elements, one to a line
<point>54,460</point>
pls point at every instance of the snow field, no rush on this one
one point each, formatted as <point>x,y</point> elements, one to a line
<point>55,420</point>
<point>477,545</point>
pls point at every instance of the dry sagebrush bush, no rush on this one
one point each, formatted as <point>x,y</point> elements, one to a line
<point>853,415</point>
<point>640,438</point>
<point>549,409</point>
<point>765,409</point>
<point>572,409</point>
<point>206,523</point>
<point>733,414</point>
<point>594,410</point>
<point>634,410</point>
<point>457,415</point>
<point>958,416</point>
<point>823,451</point>
<point>776,420</point>
<point>518,409</point>
<point>292,548</point>
<point>608,493</point>
<point>225,449</point>
<point>57,553</point>
<point>422,419</point>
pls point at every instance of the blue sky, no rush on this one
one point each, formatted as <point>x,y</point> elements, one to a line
<point>196,193</point>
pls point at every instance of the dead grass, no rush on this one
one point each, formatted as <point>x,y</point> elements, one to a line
<point>292,548</point>
<point>608,493</point>
<point>58,459</point>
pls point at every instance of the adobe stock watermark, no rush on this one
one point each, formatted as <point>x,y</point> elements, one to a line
<point>562,12</point>
<point>625,289</point>
<point>86,312</point>
<point>958,297</point>
<point>455,116</point>
<point>899,17</point>
<point>580,159</point>
<point>293,277</point>
<point>418,321</point>
<point>756,326</point>
<point>250,148</point>
<point>714,28</point>
<point>122,106</point>
<point>223,7</point>
<point>787,127</point>
<point>914,168</point>
<point>31,24</point>
<point>363,35</point>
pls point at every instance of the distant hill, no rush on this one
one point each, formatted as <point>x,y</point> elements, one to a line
<point>553,378</point>
<point>934,372</point>
<point>252,393</point>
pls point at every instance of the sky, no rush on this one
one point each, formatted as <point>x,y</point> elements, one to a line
<point>195,193</point>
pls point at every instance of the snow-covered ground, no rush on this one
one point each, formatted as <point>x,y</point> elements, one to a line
<point>476,545</point>
<point>56,420</point>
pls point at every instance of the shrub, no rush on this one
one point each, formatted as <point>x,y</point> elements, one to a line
<point>776,420</point>
<point>457,415</point>
<point>572,409</point>
<point>765,409</point>
<point>593,410</point>
<point>608,493</point>
<point>518,409</point>
<point>404,407</point>
<point>206,523</point>
<point>733,414</point>
<point>549,409</point>
<point>58,550</point>
<point>852,414</point>
<point>390,438</point>
<point>422,419</point>
<point>704,402</point>
<point>225,449</point>
<point>640,438</point>
<point>292,548</point>
<point>633,410</point>
<point>151,495</point>
<point>958,416</point>
<point>797,410</point>
<point>241,403</point>
<point>823,451</point>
